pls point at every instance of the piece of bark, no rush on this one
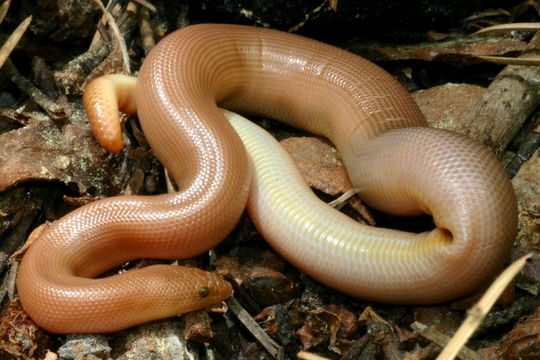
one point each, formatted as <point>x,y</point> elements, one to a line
<point>198,326</point>
<point>319,163</point>
<point>522,342</point>
<point>445,105</point>
<point>262,283</point>
<point>524,153</point>
<point>458,52</point>
<point>506,105</point>
<point>40,151</point>
<point>527,184</point>
<point>382,334</point>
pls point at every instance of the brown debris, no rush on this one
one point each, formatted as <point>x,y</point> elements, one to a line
<point>320,164</point>
<point>523,342</point>
<point>321,327</point>
<point>260,278</point>
<point>34,235</point>
<point>529,278</point>
<point>333,327</point>
<point>526,184</point>
<point>445,105</point>
<point>487,18</point>
<point>268,287</point>
<point>460,51</point>
<point>4,9</point>
<point>198,326</point>
<point>441,339</point>
<point>381,333</point>
<point>40,151</point>
<point>438,318</point>
<point>20,337</point>
<point>478,312</point>
<point>275,350</point>
<point>53,109</point>
<point>85,346</point>
<point>526,149</point>
<point>510,98</point>
<point>18,215</point>
<point>348,327</point>
<point>99,59</point>
<point>157,340</point>
<point>71,20</point>
<point>147,34</point>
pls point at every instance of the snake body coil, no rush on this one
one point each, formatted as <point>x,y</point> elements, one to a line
<point>397,163</point>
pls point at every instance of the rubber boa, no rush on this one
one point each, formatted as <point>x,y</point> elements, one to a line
<point>394,160</point>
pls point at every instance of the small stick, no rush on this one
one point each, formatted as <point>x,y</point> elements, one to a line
<point>342,199</point>
<point>118,36</point>
<point>97,39</point>
<point>509,27</point>
<point>441,340</point>
<point>479,311</point>
<point>506,28</point>
<point>145,28</point>
<point>147,4</point>
<point>304,355</point>
<point>55,111</point>
<point>504,60</point>
<point>126,19</point>
<point>333,4</point>
<point>4,9</point>
<point>13,40</point>
<point>275,350</point>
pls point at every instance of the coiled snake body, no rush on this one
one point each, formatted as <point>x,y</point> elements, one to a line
<point>396,162</point>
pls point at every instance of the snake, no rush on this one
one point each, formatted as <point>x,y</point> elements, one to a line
<point>396,163</point>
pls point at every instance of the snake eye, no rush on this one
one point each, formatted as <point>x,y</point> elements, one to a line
<point>204,291</point>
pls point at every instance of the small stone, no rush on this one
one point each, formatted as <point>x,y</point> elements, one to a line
<point>85,346</point>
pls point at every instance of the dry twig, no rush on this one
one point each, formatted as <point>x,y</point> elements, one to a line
<point>342,199</point>
<point>4,9</point>
<point>13,40</point>
<point>509,27</point>
<point>441,340</point>
<point>147,34</point>
<point>480,310</point>
<point>505,60</point>
<point>55,111</point>
<point>266,341</point>
<point>333,4</point>
<point>147,4</point>
<point>119,39</point>
<point>304,355</point>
